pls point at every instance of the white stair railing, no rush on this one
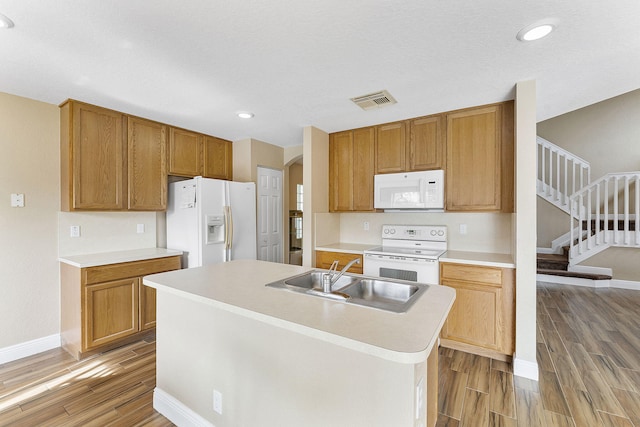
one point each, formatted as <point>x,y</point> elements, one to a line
<point>560,174</point>
<point>604,215</point>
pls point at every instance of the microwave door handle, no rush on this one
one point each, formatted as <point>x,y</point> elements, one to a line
<point>423,191</point>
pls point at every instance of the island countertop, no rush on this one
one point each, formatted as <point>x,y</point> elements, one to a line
<point>239,287</point>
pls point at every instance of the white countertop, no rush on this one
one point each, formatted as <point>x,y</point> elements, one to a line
<point>105,258</point>
<point>350,248</point>
<point>486,259</point>
<point>239,287</point>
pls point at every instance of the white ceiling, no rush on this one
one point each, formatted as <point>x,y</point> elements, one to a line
<point>294,63</point>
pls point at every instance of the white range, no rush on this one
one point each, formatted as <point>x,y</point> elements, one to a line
<point>408,252</point>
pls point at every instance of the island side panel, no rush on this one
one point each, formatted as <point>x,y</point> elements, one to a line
<point>270,376</point>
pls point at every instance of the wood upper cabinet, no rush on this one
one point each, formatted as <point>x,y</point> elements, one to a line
<point>106,305</point>
<point>426,145</point>
<point>194,154</point>
<point>479,173</point>
<point>351,165</point>
<point>217,158</point>
<point>185,152</point>
<point>92,158</point>
<point>110,161</point>
<point>324,259</point>
<point>390,148</point>
<point>147,165</point>
<point>482,319</point>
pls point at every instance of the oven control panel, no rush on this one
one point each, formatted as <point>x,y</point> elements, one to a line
<point>437,233</point>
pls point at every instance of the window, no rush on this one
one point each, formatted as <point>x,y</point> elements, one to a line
<point>299,197</point>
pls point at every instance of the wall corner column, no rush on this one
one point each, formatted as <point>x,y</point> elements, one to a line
<point>524,359</point>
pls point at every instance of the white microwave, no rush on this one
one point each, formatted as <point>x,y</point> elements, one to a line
<point>410,191</point>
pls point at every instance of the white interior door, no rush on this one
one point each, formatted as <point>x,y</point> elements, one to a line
<point>270,215</point>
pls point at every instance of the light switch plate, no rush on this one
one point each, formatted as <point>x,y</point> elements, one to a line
<point>140,228</point>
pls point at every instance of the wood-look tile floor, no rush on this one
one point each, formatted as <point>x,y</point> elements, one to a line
<point>52,389</point>
<point>588,352</point>
<point>588,344</point>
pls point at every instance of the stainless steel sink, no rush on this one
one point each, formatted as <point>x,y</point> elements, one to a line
<point>396,296</point>
<point>313,280</point>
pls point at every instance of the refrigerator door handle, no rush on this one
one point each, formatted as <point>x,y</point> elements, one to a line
<point>226,233</point>
<point>230,233</point>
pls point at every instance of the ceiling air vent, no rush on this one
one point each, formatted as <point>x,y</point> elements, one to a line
<point>374,100</point>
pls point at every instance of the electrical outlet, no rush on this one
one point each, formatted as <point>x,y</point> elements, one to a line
<point>365,225</point>
<point>217,401</point>
<point>140,228</point>
<point>75,231</point>
<point>17,200</point>
<point>463,228</point>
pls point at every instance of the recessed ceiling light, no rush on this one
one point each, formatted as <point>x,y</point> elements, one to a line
<point>535,31</point>
<point>5,22</point>
<point>245,115</point>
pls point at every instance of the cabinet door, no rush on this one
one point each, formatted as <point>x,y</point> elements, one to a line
<point>147,165</point>
<point>426,143</point>
<point>185,153</point>
<point>110,311</point>
<point>390,148</point>
<point>97,152</point>
<point>341,172</point>
<point>325,258</point>
<point>363,168</point>
<point>475,317</point>
<point>473,160</point>
<point>218,158</point>
<point>147,307</point>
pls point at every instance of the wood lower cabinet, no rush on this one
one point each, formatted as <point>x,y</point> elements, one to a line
<point>480,169</point>
<point>107,305</point>
<point>324,259</point>
<point>482,319</point>
<point>351,170</point>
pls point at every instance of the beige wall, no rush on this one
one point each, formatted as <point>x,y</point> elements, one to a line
<point>316,186</point>
<point>270,376</point>
<point>29,164</point>
<point>248,154</point>
<point>607,135</point>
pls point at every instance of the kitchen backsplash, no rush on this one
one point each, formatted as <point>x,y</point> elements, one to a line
<point>105,232</point>
<point>485,232</point>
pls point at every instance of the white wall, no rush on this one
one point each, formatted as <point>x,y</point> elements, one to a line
<point>29,164</point>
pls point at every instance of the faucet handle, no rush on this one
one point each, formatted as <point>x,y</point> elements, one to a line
<point>334,266</point>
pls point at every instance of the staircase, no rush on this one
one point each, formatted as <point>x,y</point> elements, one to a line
<point>601,213</point>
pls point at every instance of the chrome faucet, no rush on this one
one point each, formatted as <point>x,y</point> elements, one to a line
<point>328,279</point>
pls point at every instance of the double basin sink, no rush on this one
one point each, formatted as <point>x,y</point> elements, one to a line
<point>390,295</point>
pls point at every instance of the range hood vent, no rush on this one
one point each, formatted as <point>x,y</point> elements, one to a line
<point>374,100</point>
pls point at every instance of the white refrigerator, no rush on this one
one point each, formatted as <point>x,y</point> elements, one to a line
<point>212,220</point>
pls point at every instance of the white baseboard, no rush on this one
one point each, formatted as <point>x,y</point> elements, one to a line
<point>577,281</point>
<point>625,284</point>
<point>525,369</point>
<point>29,348</point>
<point>176,411</point>
<point>545,251</point>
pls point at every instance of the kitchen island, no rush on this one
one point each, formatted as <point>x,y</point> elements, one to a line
<point>267,356</point>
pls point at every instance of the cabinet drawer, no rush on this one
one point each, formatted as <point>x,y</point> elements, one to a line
<point>324,260</point>
<point>105,273</point>
<point>471,273</point>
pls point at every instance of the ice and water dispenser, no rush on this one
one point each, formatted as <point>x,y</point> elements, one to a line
<point>215,229</point>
